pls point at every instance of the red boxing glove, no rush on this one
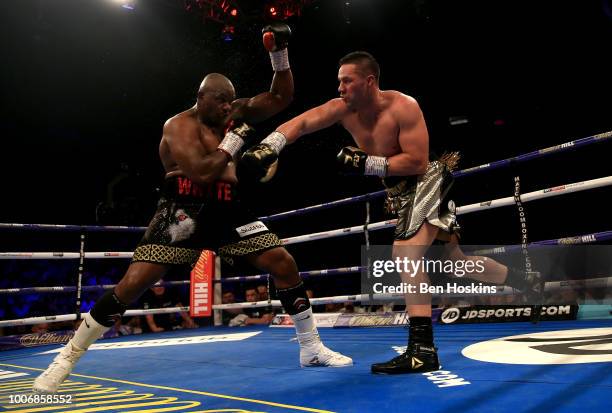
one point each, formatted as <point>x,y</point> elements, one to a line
<point>268,41</point>
<point>276,36</point>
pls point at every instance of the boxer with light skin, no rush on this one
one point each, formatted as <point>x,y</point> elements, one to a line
<point>393,143</point>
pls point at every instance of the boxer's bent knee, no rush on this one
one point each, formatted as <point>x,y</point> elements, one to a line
<point>280,264</point>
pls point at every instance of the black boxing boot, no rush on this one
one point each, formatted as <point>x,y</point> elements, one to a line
<point>421,356</point>
<point>530,283</point>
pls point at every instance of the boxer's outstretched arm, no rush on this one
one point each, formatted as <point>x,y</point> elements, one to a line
<point>314,119</point>
<point>413,140</point>
<point>260,160</point>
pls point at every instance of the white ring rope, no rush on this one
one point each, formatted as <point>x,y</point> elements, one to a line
<point>501,290</point>
<point>62,255</point>
<point>72,317</point>
<point>605,282</point>
<point>466,209</point>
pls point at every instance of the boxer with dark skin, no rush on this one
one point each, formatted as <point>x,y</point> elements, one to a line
<point>200,208</point>
<point>188,148</point>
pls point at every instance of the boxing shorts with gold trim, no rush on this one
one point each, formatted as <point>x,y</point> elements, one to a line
<point>414,199</point>
<point>192,217</point>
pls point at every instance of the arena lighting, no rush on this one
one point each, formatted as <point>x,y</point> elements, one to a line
<point>237,12</point>
<point>346,11</point>
<point>228,33</point>
<point>220,11</point>
<point>284,9</point>
<point>126,4</point>
<point>458,120</point>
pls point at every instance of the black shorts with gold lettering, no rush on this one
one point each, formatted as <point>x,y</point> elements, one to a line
<point>192,217</point>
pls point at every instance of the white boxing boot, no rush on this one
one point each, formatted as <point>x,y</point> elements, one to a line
<point>312,351</point>
<point>61,367</point>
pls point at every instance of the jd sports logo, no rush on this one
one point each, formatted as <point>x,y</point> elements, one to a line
<point>589,345</point>
<point>450,315</point>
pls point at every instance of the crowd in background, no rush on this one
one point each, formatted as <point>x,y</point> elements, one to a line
<point>19,274</point>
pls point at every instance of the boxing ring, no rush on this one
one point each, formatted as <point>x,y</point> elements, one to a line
<point>255,369</point>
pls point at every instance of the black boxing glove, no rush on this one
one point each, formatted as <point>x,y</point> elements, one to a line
<point>354,161</point>
<point>261,160</point>
<point>275,38</point>
<point>234,140</point>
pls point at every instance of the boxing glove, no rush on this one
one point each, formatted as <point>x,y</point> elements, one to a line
<point>276,36</point>
<point>275,39</point>
<point>354,161</point>
<point>261,161</point>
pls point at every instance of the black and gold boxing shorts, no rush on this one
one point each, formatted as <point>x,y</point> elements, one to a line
<point>192,217</point>
<point>414,199</point>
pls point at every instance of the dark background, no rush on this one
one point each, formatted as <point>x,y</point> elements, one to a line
<point>87,85</point>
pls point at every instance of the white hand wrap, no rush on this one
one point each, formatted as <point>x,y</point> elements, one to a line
<point>231,143</point>
<point>280,60</point>
<point>376,165</point>
<point>276,140</point>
